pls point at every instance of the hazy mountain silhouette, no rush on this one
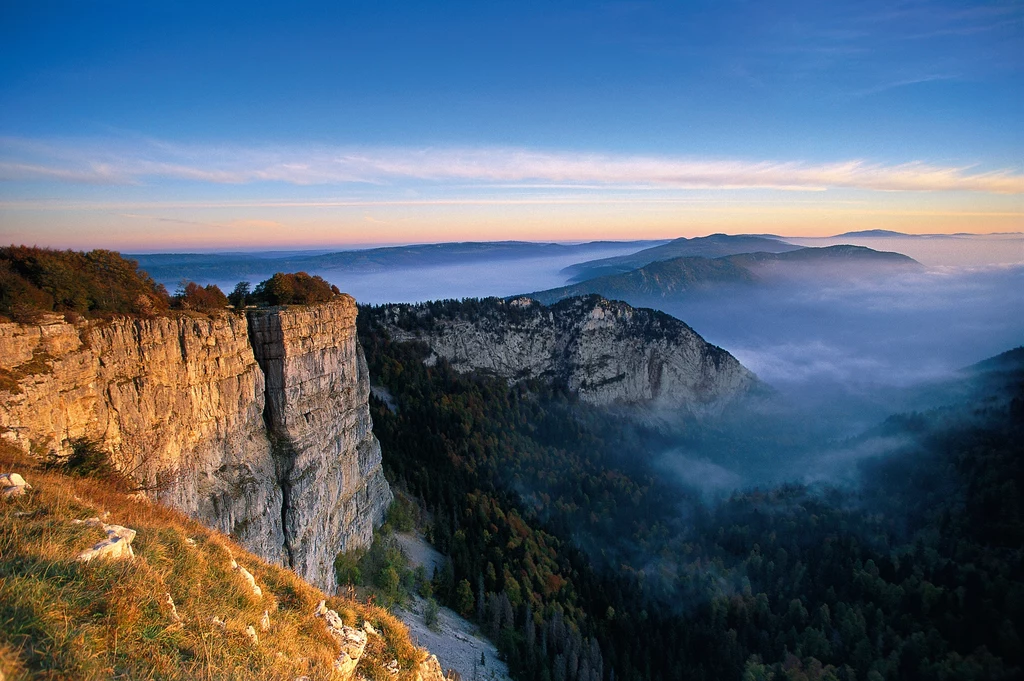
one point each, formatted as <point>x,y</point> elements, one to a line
<point>712,246</point>
<point>204,267</point>
<point>669,278</point>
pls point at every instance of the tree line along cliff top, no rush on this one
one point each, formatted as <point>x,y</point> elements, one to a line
<point>101,283</point>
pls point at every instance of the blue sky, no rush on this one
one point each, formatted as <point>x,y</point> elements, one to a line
<point>393,122</point>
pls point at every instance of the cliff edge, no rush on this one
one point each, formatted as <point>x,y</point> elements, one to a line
<point>317,412</point>
<point>256,425</point>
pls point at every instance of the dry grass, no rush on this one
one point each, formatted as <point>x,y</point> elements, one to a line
<point>60,619</point>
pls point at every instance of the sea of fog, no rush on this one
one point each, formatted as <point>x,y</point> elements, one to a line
<point>472,279</point>
<point>855,339</point>
<point>841,358</point>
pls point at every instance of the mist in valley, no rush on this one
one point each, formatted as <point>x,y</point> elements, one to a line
<point>839,352</point>
<point>837,349</point>
<point>397,274</point>
<point>841,357</point>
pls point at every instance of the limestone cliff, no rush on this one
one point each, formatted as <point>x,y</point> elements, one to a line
<point>328,461</point>
<point>606,351</point>
<point>178,403</point>
<point>287,465</point>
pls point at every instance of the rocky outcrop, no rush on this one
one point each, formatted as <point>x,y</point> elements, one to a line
<point>351,640</point>
<point>317,411</point>
<point>13,485</point>
<point>606,351</point>
<point>118,543</point>
<point>353,644</point>
<point>177,402</point>
<point>287,464</point>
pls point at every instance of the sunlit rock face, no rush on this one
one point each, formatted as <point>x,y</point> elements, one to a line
<point>317,412</point>
<point>287,464</point>
<point>606,351</point>
<point>177,402</point>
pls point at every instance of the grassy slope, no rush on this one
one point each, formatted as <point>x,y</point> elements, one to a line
<point>60,619</point>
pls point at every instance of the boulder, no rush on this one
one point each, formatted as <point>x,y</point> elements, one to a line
<point>352,640</point>
<point>13,485</point>
<point>247,576</point>
<point>118,544</point>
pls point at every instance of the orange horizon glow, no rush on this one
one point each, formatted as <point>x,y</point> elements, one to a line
<point>359,226</point>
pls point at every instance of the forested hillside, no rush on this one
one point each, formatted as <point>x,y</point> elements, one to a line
<point>583,563</point>
<point>687,275</point>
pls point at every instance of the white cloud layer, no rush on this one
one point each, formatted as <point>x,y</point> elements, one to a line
<point>144,161</point>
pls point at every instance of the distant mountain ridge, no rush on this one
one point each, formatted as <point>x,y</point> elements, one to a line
<point>1011,360</point>
<point>680,275</point>
<point>711,246</point>
<point>873,232</point>
<point>837,255</point>
<point>169,268</point>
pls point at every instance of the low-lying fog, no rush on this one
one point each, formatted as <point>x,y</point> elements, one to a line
<point>842,357</point>
<point>476,276</point>
<point>471,280</point>
<point>864,338</point>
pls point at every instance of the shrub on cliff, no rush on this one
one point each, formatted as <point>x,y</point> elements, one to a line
<point>297,288</point>
<point>192,296</point>
<point>35,280</point>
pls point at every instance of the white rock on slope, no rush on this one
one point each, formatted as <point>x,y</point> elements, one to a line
<point>13,485</point>
<point>172,610</point>
<point>118,544</point>
<point>352,640</point>
<point>249,579</point>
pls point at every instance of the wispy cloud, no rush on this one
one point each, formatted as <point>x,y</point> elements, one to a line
<point>148,162</point>
<point>243,224</point>
<point>904,82</point>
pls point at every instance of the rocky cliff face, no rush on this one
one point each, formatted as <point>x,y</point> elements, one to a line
<point>283,460</point>
<point>606,351</point>
<point>328,461</point>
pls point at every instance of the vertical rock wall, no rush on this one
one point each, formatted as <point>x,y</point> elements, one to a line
<point>181,404</point>
<point>608,352</point>
<point>177,402</point>
<point>318,417</point>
